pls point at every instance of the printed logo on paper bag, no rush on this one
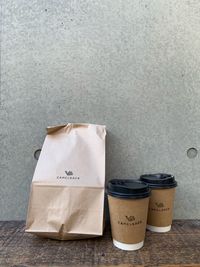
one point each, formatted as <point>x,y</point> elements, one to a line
<point>69,176</point>
<point>69,172</point>
<point>130,221</point>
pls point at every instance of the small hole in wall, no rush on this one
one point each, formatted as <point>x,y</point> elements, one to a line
<point>192,152</point>
<point>37,154</point>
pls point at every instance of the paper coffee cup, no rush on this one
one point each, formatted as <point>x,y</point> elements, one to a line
<point>161,202</point>
<point>128,206</point>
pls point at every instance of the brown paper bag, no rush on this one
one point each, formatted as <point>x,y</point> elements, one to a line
<point>67,191</point>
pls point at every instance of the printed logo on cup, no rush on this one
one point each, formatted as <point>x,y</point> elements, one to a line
<point>159,206</point>
<point>130,218</point>
<point>129,221</point>
<point>69,175</point>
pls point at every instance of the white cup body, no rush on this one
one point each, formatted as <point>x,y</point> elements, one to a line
<point>128,247</point>
<point>158,229</point>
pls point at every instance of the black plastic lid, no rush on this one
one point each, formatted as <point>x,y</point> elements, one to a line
<point>128,188</point>
<point>159,180</point>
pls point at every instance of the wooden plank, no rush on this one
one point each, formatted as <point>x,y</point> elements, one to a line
<point>179,247</point>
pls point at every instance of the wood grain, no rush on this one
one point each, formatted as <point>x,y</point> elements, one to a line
<point>179,247</point>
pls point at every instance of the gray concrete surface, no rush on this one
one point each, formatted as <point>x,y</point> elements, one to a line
<point>132,65</point>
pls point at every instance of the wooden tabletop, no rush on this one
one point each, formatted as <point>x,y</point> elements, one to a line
<point>179,247</point>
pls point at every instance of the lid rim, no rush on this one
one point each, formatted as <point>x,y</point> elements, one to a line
<point>128,189</point>
<point>159,180</point>
<point>128,197</point>
<point>163,186</point>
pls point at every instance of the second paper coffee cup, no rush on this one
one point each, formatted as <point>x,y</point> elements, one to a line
<point>161,201</point>
<point>128,205</point>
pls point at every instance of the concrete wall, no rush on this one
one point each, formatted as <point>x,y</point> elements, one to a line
<point>132,65</point>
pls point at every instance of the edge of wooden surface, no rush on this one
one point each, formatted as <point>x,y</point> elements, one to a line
<point>19,253</point>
